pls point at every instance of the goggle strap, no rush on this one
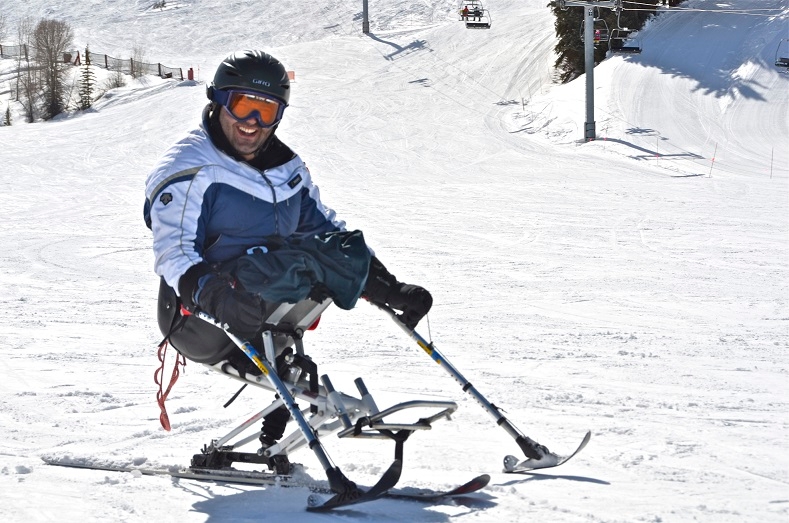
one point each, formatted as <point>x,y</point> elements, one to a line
<point>222,96</point>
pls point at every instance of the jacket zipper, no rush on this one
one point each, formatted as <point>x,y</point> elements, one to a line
<point>274,202</point>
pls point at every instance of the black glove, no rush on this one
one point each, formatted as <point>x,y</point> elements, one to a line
<point>383,289</point>
<point>241,311</point>
<point>413,300</point>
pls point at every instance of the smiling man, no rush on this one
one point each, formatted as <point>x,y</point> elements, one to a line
<point>247,135</point>
<point>230,191</point>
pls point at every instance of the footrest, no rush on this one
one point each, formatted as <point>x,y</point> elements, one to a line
<point>370,426</point>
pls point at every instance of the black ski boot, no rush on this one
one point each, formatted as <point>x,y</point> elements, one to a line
<point>273,429</point>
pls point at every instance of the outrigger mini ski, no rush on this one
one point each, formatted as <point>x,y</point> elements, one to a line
<point>537,456</point>
<point>513,465</point>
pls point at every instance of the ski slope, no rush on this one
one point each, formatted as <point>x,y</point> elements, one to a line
<point>636,286</point>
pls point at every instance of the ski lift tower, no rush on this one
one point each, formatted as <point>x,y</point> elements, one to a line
<point>590,6</point>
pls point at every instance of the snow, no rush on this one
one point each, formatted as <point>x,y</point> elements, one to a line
<point>637,285</point>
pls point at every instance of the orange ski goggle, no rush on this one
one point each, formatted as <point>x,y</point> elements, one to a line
<point>243,105</point>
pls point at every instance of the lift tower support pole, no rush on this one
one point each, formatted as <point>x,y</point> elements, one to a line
<point>589,126</point>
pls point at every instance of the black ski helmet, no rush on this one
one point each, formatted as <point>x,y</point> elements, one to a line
<point>252,71</point>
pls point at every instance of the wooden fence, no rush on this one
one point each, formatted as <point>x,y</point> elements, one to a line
<point>127,66</point>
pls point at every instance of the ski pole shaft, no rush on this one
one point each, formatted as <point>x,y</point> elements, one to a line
<point>439,358</point>
<point>271,374</point>
<point>531,448</point>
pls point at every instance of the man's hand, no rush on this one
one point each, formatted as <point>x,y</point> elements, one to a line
<point>241,311</point>
<point>413,300</point>
<point>383,289</point>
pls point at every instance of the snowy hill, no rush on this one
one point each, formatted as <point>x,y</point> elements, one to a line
<point>637,286</point>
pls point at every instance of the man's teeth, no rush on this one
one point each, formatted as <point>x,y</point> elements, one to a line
<point>247,130</point>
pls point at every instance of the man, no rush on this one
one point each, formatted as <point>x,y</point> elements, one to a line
<point>231,190</point>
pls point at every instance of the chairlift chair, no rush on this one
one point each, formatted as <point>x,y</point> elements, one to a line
<point>622,42</point>
<point>478,17</point>
<point>470,5</point>
<point>601,32</point>
<point>782,53</point>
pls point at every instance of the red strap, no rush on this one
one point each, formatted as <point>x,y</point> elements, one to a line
<point>161,397</point>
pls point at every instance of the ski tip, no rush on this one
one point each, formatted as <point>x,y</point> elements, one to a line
<point>510,462</point>
<point>315,501</point>
<point>468,487</point>
<point>586,439</point>
<point>474,485</point>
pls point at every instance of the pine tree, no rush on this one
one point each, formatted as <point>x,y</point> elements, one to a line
<point>7,120</point>
<point>569,47</point>
<point>87,83</point>
<point>569,27</point>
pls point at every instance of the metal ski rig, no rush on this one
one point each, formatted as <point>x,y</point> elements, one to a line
<point>329,411</point>
<point>537,456</point>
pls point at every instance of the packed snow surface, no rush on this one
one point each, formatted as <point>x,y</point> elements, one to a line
<point>636,286</point>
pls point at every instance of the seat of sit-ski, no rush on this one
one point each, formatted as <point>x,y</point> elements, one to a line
<point>201,342</point>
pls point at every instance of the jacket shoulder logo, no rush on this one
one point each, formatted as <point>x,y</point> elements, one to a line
<point>166,198</point>
<point>294,181</point>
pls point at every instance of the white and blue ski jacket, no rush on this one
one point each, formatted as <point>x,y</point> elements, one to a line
<point>203,205</point>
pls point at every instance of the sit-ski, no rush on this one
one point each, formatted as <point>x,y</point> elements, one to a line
<point>293,378</point>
